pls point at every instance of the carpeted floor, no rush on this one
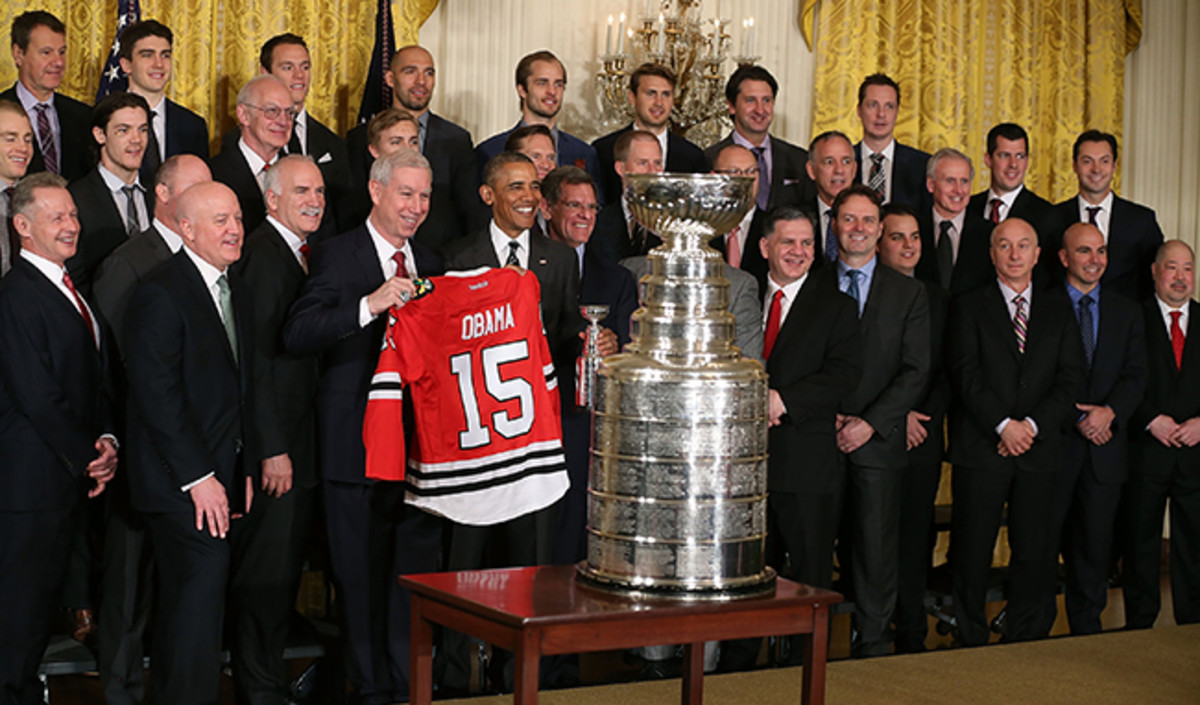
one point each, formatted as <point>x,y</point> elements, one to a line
<point>1154,667</point>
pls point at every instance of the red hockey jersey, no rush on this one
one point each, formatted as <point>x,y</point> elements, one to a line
<point>486,445</point>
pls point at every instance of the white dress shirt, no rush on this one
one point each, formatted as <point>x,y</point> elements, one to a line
<point>500,240</point>
<point>115,189</point>
<point>1103,216</point>
<point>384,251</point>
<point>889,160</point>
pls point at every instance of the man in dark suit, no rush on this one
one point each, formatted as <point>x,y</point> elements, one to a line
<point>1095,455</point>
<point>112,196</point>
<point>1015,365</point>
<point>56,440</point>
<point>900,249</point>
<point>146,49</point>
<point>189,337</point>
<point>1166,449</point>
<point>618,235</point>
<point>16,148</point>
<point>274,264</point>
<point>128,563</point>
<point>1007,158</point>
<point>893,312</point>
<point>569,205</point>
<point>954,242</point>
<point>541,82</point>
<point>340,316</point>
<point>739,247</point>
<point>652,96</point>
<point>1130,230</point>
<point>61,141</point>
<point>831,166</point>
<point>455,207</point>
<point>782,176</point>
<point>264,113</point>
<point>895,171</point>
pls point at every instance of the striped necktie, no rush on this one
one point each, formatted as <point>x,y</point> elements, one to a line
<point>1020,323</point>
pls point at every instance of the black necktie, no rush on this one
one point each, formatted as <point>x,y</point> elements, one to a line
<point>945,253</point>
<point>512,254</point>
<point>294,143</point>
<point>152,159</point>
<point>1087,327</point>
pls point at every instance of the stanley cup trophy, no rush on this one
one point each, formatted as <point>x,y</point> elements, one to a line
<point>677,495</point>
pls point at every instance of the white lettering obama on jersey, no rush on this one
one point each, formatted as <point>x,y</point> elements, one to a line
<point>486,445</point>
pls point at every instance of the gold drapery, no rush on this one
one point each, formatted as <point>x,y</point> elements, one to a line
<point>1056,68</point>
<point>216,48</point>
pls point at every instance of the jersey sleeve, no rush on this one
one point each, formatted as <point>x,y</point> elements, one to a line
<point>383,424</point>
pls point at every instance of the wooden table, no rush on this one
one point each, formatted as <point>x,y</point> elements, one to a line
<point>543,610</point>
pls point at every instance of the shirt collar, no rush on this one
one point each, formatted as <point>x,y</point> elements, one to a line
<point>500,240</point>
<point>1076,294</point>
<point>738,139</point>
<point>1009,294</point>
<point>254,161</point>
<point>957,220</point>
<point>28,100</point>
<point>208,273</point>
<point>54,272</point>
<point>1005,198</point>
<point>1105,205</point>
<point>293,240</point>
<point>888,152</point>
<point>114,183</point>
<point>790,291</point>
<point>384,249</point>
<point>1162,306</point>
<point>172,238</point>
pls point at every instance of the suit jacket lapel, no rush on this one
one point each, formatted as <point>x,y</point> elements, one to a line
<point>202,299</point>
<point>997,314</point>
<point>367,258</point>
<point>284,251</point>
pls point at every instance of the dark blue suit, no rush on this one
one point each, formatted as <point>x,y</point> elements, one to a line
<point>908,176</point>
<point>186,132</point>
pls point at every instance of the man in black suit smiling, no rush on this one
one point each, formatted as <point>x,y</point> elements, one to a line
<point>893,170</point>
<point>264,114</point>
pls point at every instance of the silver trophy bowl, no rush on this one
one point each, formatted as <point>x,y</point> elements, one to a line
<point>678,478</point>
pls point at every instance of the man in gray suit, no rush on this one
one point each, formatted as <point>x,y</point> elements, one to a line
<point>893,313</point>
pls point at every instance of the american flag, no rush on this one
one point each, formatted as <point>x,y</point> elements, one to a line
<point>376,94</point>
<point>112,78</point>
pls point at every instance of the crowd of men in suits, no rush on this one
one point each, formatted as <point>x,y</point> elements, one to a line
<point>214,322</point>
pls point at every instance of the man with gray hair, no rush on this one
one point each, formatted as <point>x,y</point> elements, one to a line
<point>954,242</point>
<point>340,316</point>
<point>264,113</point>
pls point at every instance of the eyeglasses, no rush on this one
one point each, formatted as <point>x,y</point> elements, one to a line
<point>577,206</point>
<point>752,171</point>
<point>274,112</point>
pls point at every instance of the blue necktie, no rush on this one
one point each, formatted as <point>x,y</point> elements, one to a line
<point>1087,328</point>
<point>852,290</point>
<point>831,244</point>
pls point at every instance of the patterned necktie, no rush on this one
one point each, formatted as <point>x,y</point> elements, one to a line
<point>225,298</point>
<point>306,253</point>
<point>1177,339</point>
<point>133,224</point>
<point>995,215</point>
<point>1020,323</point>
<point>152,159</point>
<point>401,263</point>
<point>49,150</point>
<point>773,323</point>
<point>945,254</point>
<point>852,289</point>
<point>877,180</point>
<point>733,249</point>
<point>294,146</point>
<point>764,178</point>
<point>83,309</point>
<point>512,254</point>
<point>1092,211</point>
<point>831,244</point>
<point>1087,328</point>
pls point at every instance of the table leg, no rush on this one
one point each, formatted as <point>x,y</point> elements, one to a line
<point>420,688</point>
<point>693,673</point>
<point>815,652</point>
<point>525,673</point>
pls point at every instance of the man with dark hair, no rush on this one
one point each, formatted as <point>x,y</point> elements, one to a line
<point>146,57</point>
<point>894,171</point>
<point>537,143</point>
<point>1007,158</point>
<point>1130,230</point>
<point>541,84</point>
<point>651,96</point>
<point>61,141</point>
<point>111,195</point>
<point>618,235</point>
<point>782,176</point>
<point>1015,366</point>
<point>16,149</point>
<point>893,313</point>
<point>56,438</point>
<point>455,207</point>
<point>265,114</point>
<point>831,166</point>
<point>954,239</point>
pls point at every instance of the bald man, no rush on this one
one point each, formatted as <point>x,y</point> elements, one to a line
<point>265,112</point>
<point>189,335</point>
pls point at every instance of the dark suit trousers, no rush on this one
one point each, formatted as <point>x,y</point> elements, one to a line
<point>801,528</point>
<point>570,538</point>
<point>193,569</point>
<point>918,493</point>
<point>1147,502</point>
<point>263,591</point>
<point>33,557</point>
<point>874,519</point>
<point>979,497</point>
<point>372,539</point>
<point>126,597</point>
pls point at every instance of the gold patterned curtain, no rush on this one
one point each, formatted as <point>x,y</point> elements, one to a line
<point>217,43</point>
<point>1057,68</point>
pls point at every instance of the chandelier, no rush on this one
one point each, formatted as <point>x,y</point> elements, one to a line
<point>675,33</point>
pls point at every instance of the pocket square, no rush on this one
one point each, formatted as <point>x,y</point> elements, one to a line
<point>791,182</point>
<point>325,158</point>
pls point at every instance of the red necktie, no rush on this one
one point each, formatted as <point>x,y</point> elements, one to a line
<point>401,267</point>
<point>733,249</point>
<point>773,317</point>
<point>83,309</point>
<point>995,216</point>
<point>306,252</point>
<point>1177,339</point>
